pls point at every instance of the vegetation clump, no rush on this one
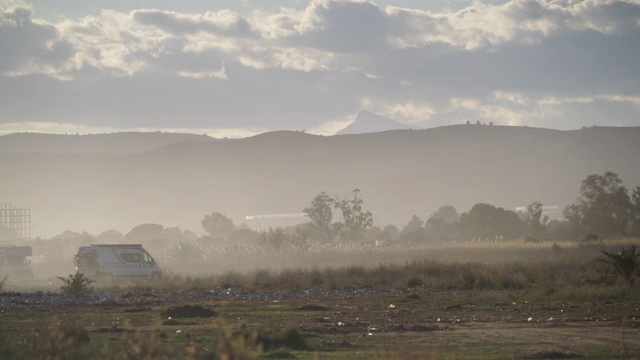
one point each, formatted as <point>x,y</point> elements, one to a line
<point>190,311</point>
<point>286,339</point>
<point>186,252</point>
<point>75,284</point>
<point>624,262</point>
<point>591,239</point>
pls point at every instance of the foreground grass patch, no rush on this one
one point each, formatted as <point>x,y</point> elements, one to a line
<point>525,303</point>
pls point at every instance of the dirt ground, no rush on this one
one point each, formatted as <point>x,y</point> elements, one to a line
<point>388,325</point>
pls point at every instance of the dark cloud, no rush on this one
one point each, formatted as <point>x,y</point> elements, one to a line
<point>27,45</point>
<point>343,26</point>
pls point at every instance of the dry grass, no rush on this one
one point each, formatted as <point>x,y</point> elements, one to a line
<point>475,279</point>
<point>545,266</point>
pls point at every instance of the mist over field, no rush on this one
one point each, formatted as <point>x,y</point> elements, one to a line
<point>95,183</point>
<point>389,179</point>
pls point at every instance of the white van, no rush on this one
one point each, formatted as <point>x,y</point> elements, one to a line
<point>14,263</point>
<point>117,261</point>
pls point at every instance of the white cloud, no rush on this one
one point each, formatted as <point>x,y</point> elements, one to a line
<point>72,128</point>
<point>28,45</point>
<point>221,74</point>
<point>409,112</point>
<point>331,127</point>
<point>224,22</point>
<point>521,62</point>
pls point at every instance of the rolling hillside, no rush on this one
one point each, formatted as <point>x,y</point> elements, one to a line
<point>400,173</point>
<point>116,143</point>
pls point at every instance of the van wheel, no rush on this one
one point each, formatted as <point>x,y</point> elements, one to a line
<point>156,276</point>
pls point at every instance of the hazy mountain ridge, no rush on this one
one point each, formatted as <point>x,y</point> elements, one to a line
<point>400,173</point>
<point>369,122</point>
<point>116,143</point>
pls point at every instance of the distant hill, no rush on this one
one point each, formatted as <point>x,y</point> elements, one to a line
<point>400,173</point>
<point>368,122</point>
<point>115,143</point>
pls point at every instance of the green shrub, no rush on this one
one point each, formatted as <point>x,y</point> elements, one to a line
<point>75,284</point>
<point>186,252</point>
<point>624,262</point>
<point>289,339</point>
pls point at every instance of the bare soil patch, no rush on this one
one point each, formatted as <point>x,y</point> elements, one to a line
<point>189,311</point>
<point>461,325</point>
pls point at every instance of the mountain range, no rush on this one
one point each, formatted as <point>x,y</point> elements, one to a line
<point>88,186</point>
<point>368,122</point>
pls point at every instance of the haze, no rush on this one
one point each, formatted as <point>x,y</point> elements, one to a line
<point>98,182</point>
<point>176,110</point>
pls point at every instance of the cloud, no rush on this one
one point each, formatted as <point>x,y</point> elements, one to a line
<point>224,22</point>
<point>28,45</point>
<point>71,128</point>
<point>343,26</point>
<point>331,127</point>
<point>521,62</point>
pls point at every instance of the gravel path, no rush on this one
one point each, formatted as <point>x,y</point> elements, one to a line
<point>42,299</point>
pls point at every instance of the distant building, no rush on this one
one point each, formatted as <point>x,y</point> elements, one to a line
<point>549,209</point>
<point>18,220</point>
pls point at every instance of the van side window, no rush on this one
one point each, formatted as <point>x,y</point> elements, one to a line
<point>132,258</point>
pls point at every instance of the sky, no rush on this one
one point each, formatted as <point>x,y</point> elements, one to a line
<point>239,68</point>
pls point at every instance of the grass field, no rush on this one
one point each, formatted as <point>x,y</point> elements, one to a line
<point>456,301</point>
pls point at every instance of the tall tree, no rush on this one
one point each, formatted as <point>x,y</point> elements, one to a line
<point>414,224</point>
<point>355,220</point>
<point>218,225</point>
<point>389,232</point>
<point>441,224</point>
<point>635,211</point>
<point>447,214</point>
<point>604,206</point>
<point>573,214</point>
<point>320,214</point>
<point>536,223</point>
<point>486,221</point>
<point>110,236</point>
<point>145,232</point>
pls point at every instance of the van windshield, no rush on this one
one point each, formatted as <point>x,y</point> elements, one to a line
<point>148,259</point>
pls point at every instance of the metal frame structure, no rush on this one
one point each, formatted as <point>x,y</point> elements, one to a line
<point>18,220</point>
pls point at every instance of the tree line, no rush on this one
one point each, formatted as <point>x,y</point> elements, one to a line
<point>604,209</point>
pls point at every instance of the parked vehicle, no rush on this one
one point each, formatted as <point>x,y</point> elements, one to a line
<point>117,261</point>
<point>14,263</point>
